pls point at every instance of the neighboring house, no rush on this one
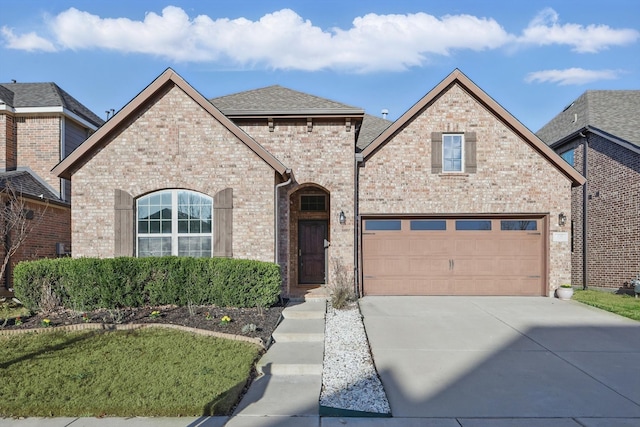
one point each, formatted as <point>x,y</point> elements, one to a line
<point>278,175</point>
<point>599,135</point>
<point>40,124</point>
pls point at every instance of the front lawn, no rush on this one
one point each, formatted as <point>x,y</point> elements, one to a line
<point>146,372</point>
<point>624,305</point>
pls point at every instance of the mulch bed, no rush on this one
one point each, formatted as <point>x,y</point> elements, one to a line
<point>200,317</point>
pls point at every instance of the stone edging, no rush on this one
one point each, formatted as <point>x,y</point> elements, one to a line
<point>133,326</point>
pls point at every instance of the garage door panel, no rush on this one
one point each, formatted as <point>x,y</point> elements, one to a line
<point>454,262</point>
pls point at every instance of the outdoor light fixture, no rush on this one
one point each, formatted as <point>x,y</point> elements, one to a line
<point>342,217</point>
<point>562,219</point>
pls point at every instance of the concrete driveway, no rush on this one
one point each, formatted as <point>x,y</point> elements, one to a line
<point>541,360</point>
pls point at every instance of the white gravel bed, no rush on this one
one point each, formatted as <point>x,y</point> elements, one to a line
<point>349,377</point>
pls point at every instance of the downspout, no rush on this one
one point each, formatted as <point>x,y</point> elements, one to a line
<point>276,216</point>
<point>585,216</point>
<point>356,225</point>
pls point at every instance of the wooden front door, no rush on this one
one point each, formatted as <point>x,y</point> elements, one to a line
<point>311,251</point>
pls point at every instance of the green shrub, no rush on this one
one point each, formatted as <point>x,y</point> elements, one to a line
<point>88,283</point>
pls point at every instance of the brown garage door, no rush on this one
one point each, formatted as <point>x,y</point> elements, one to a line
<point>485,256</point>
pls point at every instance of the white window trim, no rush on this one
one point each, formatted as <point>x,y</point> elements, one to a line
<point>462,144</point>
<point>174,222</point>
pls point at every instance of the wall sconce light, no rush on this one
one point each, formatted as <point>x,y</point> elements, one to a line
<point>562,219</point>
<point>342,218</point>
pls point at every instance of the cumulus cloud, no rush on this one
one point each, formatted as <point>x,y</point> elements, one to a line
<point>281,39</point>
<point>285,40</point>
<point>545,29</point>
<point>571,76</point>
<point>29,42</point>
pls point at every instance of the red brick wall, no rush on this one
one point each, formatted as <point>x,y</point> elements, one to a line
<point>8,155</point>
<point>52,225</point>
<point>39,146</point>
<point>613,203</point>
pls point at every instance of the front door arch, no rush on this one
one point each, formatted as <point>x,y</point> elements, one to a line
<point>310,235</point>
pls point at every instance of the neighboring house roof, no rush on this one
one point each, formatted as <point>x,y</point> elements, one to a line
<point>457,77</point>
<point>27,184</point>
<point>33,96</point>
<point>280,101</point>
<point>119,121</point>
<point>613,112</point>
<point>372,126</point>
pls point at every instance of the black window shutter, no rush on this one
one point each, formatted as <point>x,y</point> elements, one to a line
<point>123,226</point>
<point>436,152</point>
<point>470,163</point>
<point>223,223</point>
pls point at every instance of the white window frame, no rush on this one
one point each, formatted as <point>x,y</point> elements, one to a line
<point>174,234</point>
<point>444,160</point>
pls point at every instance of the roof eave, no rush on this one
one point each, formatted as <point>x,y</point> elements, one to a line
<point>325,113</point>
<point>614,139</point>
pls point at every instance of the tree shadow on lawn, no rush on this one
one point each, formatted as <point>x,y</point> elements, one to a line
<point>61,346</point>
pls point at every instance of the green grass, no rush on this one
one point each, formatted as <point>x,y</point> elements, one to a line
<point>624,305</point>
<point>148,372</point>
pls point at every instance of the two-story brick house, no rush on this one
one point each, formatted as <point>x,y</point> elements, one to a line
<point>40,124</point>
<point>455,197</point>
<point>599,135</point>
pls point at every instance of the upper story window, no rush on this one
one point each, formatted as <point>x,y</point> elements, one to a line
<point>174,222</point>
<point>452,153</point>
<point>569,156</point>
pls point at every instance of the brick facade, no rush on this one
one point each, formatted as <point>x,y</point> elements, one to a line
<point>169,137</point>
<point>322,160</point>
<point>511,177</point>
<point>613,203</point>
<point>174,143</point>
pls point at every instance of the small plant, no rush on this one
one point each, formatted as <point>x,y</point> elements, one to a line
<point>225,320</point>
<point>566,285</point>
<point>191,307</point>
<point>85,318</point>
<point>342,286</point>
<point>154,314</point>
<point>208,316</point>
<point>249,328</point>
<point>18,321</point>
<point>45,323</point>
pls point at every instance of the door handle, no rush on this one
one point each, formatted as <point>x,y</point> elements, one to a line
<point>299,252</point>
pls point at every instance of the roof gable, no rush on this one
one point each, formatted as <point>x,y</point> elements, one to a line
<point>280,101</point>
<point>458,78</point>
<point>43,95</point>
<point>79,157</point>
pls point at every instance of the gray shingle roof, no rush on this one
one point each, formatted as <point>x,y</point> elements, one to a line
<point>20,95</point>
<point>278,100</point>
<point>372,126</point>
<point>616,112</point>
<point>24,182</point>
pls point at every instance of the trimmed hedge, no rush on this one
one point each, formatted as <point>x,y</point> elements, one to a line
<point>90,283</point>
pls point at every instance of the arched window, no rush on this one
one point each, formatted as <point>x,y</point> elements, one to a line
<point>174,222</point>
